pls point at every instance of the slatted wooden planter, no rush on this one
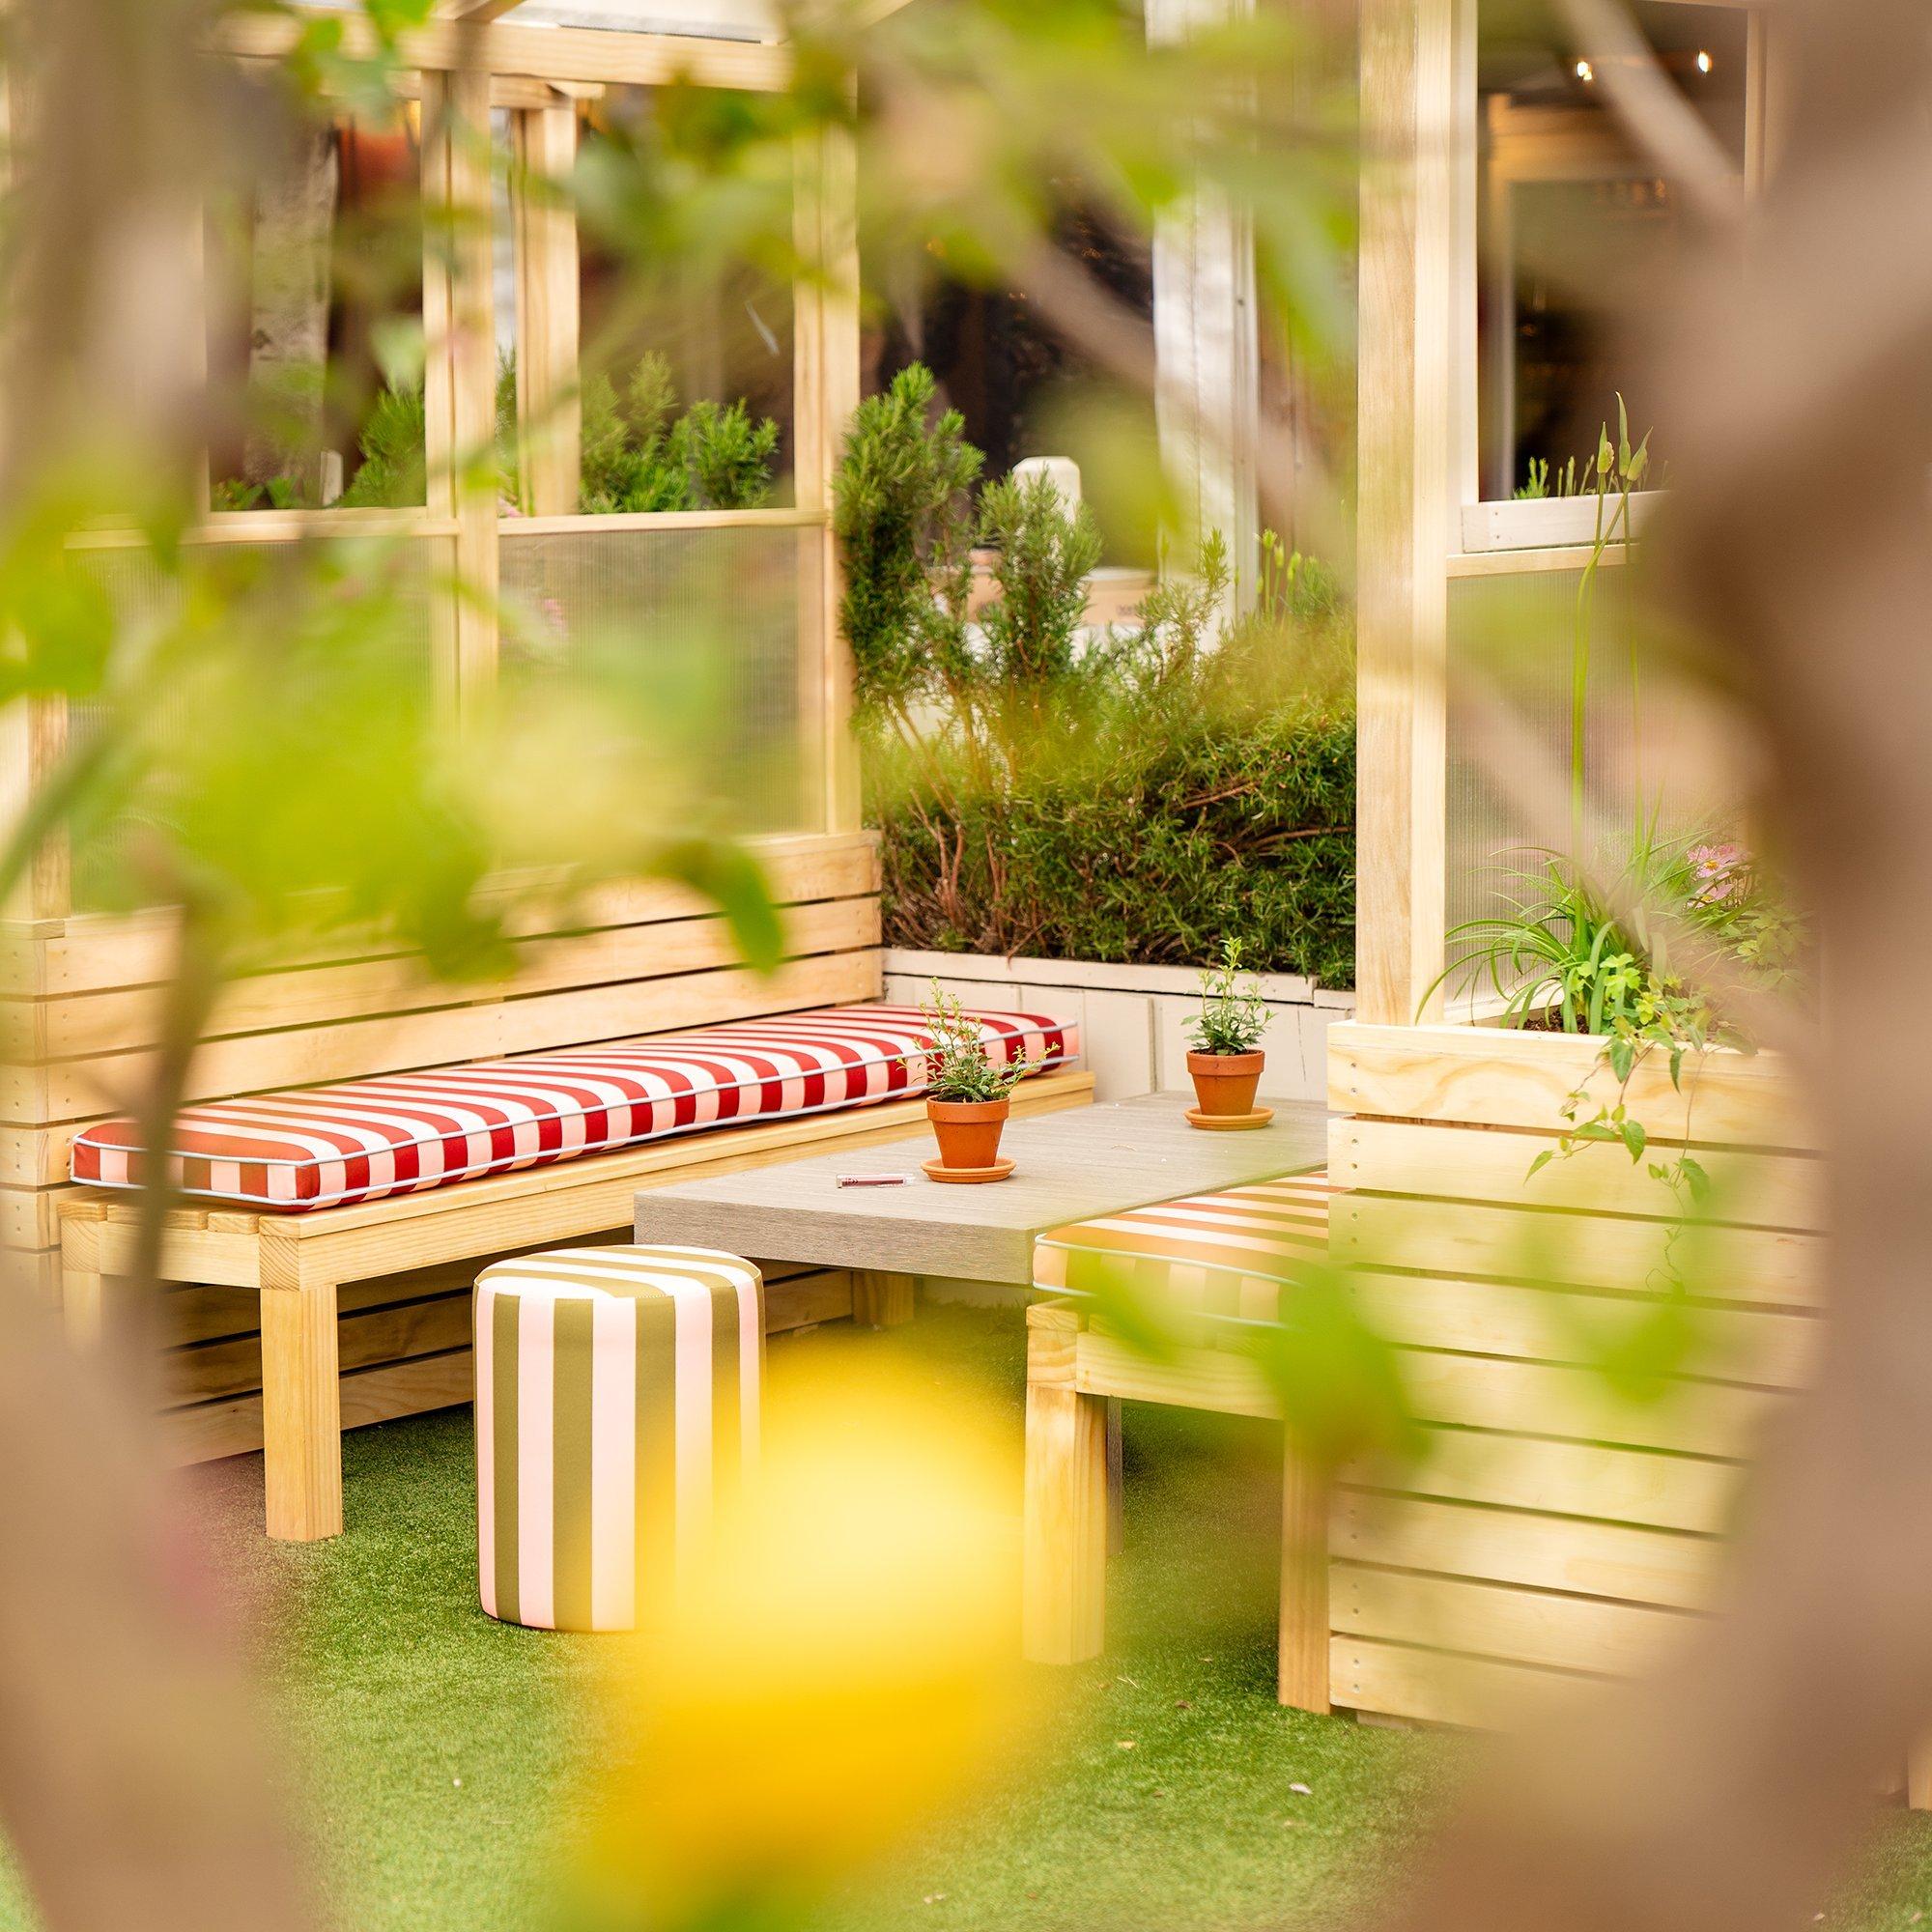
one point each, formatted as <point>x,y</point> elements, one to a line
<point>1556,1529</point>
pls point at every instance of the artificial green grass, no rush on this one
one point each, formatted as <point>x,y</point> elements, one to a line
<point>446,1759</point>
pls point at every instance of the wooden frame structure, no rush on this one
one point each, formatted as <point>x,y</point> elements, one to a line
<point>1556,1537</point>
<point>75,1016</point>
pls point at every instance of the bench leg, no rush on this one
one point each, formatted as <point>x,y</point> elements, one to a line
<point>84,1306</point>
<point>1919,1776</point>
<point>1303,1658</point>
<point>302,1413</point>
<point>881,1300</point>
<point>1065,1547</point>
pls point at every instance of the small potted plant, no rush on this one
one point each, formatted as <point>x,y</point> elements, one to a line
<point>1225,1064</point>
<point>967,1093</point>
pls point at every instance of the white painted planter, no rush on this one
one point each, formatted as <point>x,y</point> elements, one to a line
<point>1132,1019</point>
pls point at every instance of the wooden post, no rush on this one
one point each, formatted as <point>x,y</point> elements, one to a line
<point>302,1413</point>
<point>550,408</point>
<point>825,327</point>
<point>1117,1480</point>
<point>460,377</point>
<point>1407,274</point>
<point>1302,1667</point>
<point>881,1300</point>
<point>1207,343</point>
<point>1065,1547</point>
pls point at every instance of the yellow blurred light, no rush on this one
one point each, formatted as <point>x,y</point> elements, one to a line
<point>1704,60</point>
<point>843,1663</point>
<point>1586,72</point>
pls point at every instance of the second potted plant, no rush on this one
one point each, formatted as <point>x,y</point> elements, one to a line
<point>1226,1062</point>
<point>968,1094</point>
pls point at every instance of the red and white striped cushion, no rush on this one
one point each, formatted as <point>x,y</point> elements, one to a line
<point>325,1147</point>
<point>1225,1257</point>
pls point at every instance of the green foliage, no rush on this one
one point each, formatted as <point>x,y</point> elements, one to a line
<point>902,511</point>
<point>1140,795</point>
<point>639,456</point>
<point>957,1065</point>
<point>1654,961</point>
<point>1233,1015</point>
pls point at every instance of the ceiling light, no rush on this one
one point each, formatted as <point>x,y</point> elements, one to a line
<point>1586,72</point>
<point>1704,60</point>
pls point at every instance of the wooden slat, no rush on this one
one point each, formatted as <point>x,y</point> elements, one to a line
<point>1462,1238</point>
<point>1644,1488</point>
<point>360,1049</point>
<point>1593,1559</point>
<point>1493,1076</point>
<point>233,1427</point>
<point>97,952</point>
<point>1738,1344</point>
<point>1441,1688</point>
<point>1757,1190</point>
<point>364,1340</point>
<point>1499,1620</point>
<point>1579,1404</point>
<point>120,1020</point>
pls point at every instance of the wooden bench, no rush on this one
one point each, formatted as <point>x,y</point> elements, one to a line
<point>364,1311</point>
<point>249,1365</point>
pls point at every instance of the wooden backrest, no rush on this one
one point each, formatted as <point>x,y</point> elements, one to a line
<point>83,1002</point>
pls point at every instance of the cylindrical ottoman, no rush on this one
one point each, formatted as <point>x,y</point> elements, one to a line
<point>616,1393</point>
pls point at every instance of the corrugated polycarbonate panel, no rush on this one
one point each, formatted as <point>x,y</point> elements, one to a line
<point>703,637</point>
<point>1512,651</point>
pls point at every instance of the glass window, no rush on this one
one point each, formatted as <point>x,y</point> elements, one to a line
<point>1024,390</point>
<point>1581,240</point>
<point>316,320</point>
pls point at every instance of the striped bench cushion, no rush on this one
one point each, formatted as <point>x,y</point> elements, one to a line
<point>1223,1257</point>
<point>325,1147</point>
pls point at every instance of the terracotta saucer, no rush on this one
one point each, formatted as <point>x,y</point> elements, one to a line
<point>967,1176</point>
<point>1229,1123</point>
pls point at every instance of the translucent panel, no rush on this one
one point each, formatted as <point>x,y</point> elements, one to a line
<point>246,638</point>
<point>1645,746</point>
<point>315,319</point>
<point>695,645</point>
<point>1581,240</point>
<point>688,348</point>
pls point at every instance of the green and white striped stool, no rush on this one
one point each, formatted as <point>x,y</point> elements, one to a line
<point>616,1394</point>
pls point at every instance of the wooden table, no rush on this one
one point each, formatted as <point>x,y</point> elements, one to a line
<point>1076,1165</point>
<point>1072,1166</point>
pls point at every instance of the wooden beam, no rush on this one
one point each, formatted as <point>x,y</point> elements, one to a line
<point>542,53</point>
<point>1407,229</point>
<point>826,394</point>
<point>460,383</point>
<point>549,408</point>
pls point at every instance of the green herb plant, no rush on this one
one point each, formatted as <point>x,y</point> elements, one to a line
<point>957,1065</point>
<point>1629,961</point>
<point>1233,1015</point>
<point>1134,794</point>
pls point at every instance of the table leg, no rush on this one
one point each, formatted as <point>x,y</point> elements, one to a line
<point>881,1300</point>
<point>1065,1579</point>
<point>1303,1658</point>
<point>1117,1536</point>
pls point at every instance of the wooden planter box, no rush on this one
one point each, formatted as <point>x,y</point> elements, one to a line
<point>1557,1528</point>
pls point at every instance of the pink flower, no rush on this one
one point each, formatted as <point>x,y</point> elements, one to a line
<point>1718,872</point>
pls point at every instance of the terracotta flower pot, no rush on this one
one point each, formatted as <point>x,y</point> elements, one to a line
<point>1225,1083</point>
<point>968,1131</point>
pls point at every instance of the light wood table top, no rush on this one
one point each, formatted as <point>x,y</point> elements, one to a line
<point>1072,1166</point>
